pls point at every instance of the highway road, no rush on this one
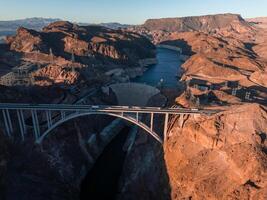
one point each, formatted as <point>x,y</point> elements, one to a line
<point>105,108</point>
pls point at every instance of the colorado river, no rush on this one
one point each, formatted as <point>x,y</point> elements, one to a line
<point>169,65</point>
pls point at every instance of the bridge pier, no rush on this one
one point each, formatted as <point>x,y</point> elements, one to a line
<point>48,118</point>
<point>166,126</point>
<point>22,125</point>
<point>181,121</point>
<point>63,114</point>
<point>151,121</point>
<point>137,116</point>
<point>23,122</point>
<point>7,122</point>
<point>35,123</point>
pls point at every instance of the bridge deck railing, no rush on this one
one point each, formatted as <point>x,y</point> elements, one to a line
<point>41,119</point>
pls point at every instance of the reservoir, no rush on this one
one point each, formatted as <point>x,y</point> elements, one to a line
<point>169,65</point>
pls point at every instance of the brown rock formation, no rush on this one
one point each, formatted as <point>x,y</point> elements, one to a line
<point>26,41</point>
<point>216,58</point>
<point>261,37</point>
<point>208,23</point>
<point>222,47</point>
<point>260,22</point>
<point>68,53</point>
<point>229,25</point>
<point>65,38</point>
<point>219,157</point>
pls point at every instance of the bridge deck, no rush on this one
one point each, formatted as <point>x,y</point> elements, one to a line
<point>104,108</point>
<point>53,119</point>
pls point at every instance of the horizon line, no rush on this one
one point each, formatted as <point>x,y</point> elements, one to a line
<point>104,21</point>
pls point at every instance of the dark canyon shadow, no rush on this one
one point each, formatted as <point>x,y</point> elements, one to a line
<point>106,179</point>
<point>102,180</point>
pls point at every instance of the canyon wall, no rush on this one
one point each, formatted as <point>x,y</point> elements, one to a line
<point>218,157</point>
<point>199,23</point>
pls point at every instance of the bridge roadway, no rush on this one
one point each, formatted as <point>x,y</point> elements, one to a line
<point>104,108</point>
<point>132,114</point>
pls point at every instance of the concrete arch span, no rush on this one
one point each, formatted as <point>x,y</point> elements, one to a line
<point>77,115</point>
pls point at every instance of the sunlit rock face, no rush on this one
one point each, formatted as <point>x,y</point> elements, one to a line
<point>67,53</point>
<point>219,157</point>
<point>200,23</point>
<point>228,25</point>
<point>63,38</point>
<point>218,48</point>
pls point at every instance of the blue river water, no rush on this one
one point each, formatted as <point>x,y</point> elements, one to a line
<point>169,65</point>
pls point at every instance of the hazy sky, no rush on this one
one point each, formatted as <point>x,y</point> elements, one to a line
<point>126,11</point>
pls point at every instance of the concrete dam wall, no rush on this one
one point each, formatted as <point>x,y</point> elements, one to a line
<point>174,48</point>
<point>132,94</point>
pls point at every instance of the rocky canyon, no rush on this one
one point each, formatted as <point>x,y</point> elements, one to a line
<point>222,68</point>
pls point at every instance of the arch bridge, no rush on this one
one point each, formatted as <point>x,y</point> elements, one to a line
<point>44,118</point>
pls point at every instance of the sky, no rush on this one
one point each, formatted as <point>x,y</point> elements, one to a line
<point>126,11</point>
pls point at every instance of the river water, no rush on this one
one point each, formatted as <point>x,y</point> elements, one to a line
<point>169,65</point>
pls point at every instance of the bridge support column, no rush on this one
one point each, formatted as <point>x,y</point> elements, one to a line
<point>48,118</point>
<point>181,120</point>
<point>63,114</point>
<point>35,123</point>
<point>21,124</point>
<point>137,116</point>
<point>166,126</point>
<point>151,121</point>
<point>7,121</point>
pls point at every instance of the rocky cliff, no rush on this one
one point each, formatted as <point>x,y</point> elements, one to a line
<point>64,38</point>
<point>207,23</point>
<point>216,58</point>
<point>220,47</point>
<point>219,157</point>
<point>230,25</point>
<point>261,37</point>
<point>258,22</point>
<point>66,51</point>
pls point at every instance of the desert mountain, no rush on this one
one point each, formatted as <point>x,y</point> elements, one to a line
<point>215,58</point>
<point>64,38</point>
<point>221,25</point>
<point>207,23</point>
<point>10,27</point>
<point>261,38</point>
<point>222,47</point>
<point>258,22</point>
<point>61,45</point>
<point>112,25</point>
